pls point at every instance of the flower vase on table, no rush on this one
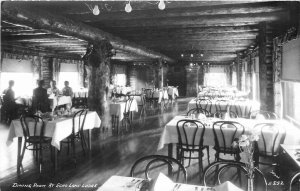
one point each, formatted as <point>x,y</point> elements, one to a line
<point>246,145</point>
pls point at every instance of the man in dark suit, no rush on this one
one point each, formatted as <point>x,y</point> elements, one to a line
<point>10,108</point>
<point>40,98</point>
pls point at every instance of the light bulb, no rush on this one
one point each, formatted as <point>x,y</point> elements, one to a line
<point>181,55</point>
<point>201,55</point>
<point>96,10</point>
<point>128,7</point>
<point>161,5</point>
<point>192,55</point>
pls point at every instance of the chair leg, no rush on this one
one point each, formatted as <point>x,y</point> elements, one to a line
<point>207,149</point>
<point>40,158</point>
<point>22,154</point>
<point>200,155</point>
<point>83,143</point>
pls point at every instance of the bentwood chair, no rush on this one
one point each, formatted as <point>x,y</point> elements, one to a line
<point>159,163</point>
<point>198,111</point>
<point>221,171</point>
<point>127,113</point>
<point>295,178</point>
<point>225,132</point>
<point>78,122</point>
<point>268,144</point>
<point>190,141</point>
<point>260,114</point>
<point>34,136</point>
<point>204,104</point>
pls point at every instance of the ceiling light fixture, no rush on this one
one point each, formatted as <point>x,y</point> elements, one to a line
<point>161,5</point>
<point>128,7</point>
<point>96,10</point>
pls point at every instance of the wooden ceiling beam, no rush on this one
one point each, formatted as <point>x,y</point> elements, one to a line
<point>39,52</point>
<point>210,20</point>
<point>179,12</point>
<point>16,13</point>
<point>172,34</point>
<point>187,30</point>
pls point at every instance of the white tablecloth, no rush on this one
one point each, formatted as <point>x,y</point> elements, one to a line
<point>118,108</point>
<point>169,134</point>
<point>122,183</point>
<point>254,105</point>
<point>61,100</point>
<point>57,129</point>
<point>172,91</point>
<point>160,94</point>
<point>81,93</point>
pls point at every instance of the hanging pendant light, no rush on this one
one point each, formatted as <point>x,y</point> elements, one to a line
<point>128,7</point>
<point>96,10</point>
<point>161,5</point>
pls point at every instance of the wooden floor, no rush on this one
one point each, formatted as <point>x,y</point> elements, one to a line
<point>110,155</point>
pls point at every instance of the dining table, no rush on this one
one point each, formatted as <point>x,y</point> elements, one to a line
<point>172,92</point>
<point>60,100</point>
<point>161,183</point>
<point>169,135</point>
<point>58,128</point>
<point>123,183</point>
<point>117,108</point>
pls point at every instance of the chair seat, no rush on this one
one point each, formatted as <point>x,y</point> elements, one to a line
<point>228,150</point>
<point>37,139</point>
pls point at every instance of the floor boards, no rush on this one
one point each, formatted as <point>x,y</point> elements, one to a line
<point>110,155</point>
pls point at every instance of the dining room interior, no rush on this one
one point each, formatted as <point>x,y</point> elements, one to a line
<point>150,95</point>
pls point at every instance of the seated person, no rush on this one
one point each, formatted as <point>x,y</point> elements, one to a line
<point>40,98</point>
<point>9,105</point>
<point>53,89</point>
<point>67,91</point>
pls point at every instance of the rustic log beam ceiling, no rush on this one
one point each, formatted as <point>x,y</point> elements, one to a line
<point>21,13</point>
<point>217,30</point>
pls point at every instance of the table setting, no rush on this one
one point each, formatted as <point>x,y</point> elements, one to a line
<point>160,183</point>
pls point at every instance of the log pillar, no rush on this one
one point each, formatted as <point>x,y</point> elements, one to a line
<point>265,69</point>
<point>192,73</point>
<point>97,63</point>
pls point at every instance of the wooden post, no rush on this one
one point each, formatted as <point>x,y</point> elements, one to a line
<point>265,69</point>
<point>97,62</point>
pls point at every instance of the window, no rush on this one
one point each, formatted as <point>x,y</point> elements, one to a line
<point>72,77</point>
<point>69,72</point>
<point>24,83</point>
<point>215,79</point>
<point>121,79</point>
<point>291,101</point>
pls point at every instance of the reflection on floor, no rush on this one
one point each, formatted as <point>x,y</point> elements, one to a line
<point>110,155</point>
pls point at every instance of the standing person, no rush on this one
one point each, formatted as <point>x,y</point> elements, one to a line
<point>9,105</point>
<point>40,98</point>
<point>67,91</point>
<point>53,89</point>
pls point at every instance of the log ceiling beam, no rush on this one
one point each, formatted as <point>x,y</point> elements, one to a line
<point>38,52</point>
<point>219,36</point>
<point>188,30</point>
<point>211,20</point>
<point>14,12</point>
<point>180,12</point>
